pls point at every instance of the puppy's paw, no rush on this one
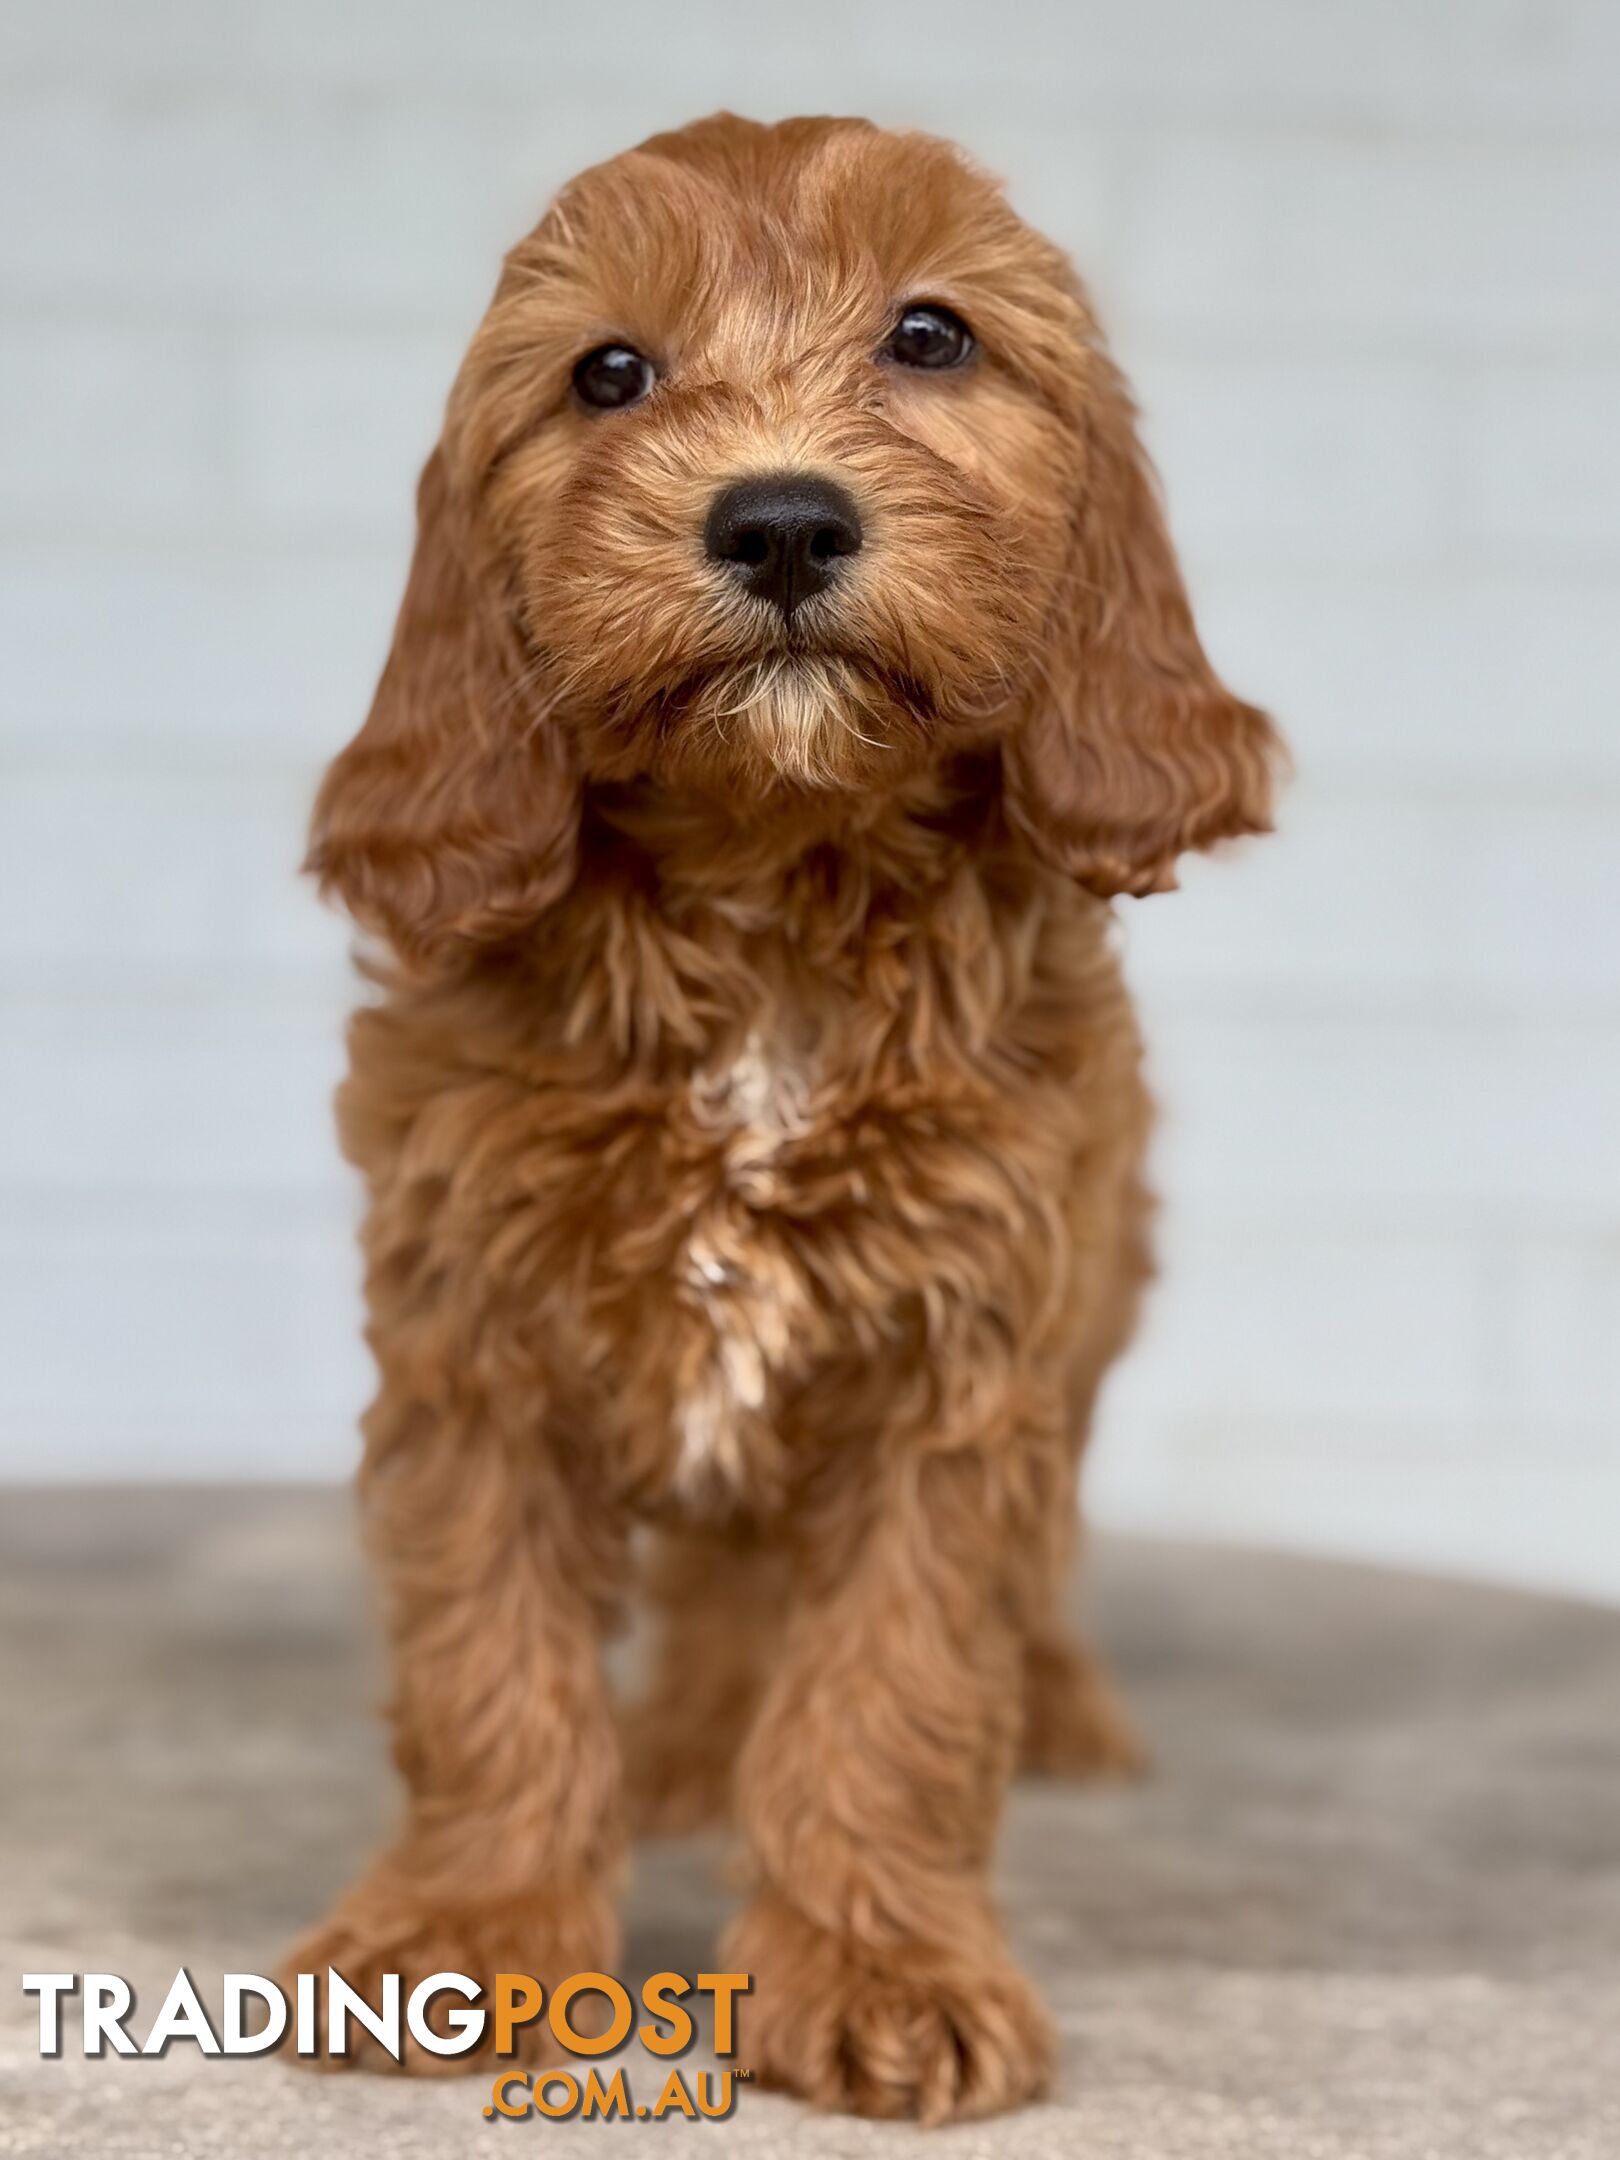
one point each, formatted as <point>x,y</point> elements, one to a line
<point>1074,1724</point>
<point>382,1927</point>
<point>916,2031</point>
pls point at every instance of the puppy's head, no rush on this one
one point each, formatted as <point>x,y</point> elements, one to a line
<point>786,459</point>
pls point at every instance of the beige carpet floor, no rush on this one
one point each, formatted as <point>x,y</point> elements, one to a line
<point>1368,1906</point>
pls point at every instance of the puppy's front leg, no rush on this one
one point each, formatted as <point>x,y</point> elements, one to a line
<point>509,1855</point>
<point>870,1789</point>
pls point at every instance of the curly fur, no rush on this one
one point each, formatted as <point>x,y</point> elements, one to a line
<point>751,1116</point>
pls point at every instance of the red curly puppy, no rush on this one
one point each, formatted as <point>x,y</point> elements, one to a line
<point>792,665</point>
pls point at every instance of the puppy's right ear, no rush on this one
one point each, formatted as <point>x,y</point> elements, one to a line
<point>452,818</point>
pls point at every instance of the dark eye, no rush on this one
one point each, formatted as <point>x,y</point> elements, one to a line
<point>930,337</point>
<point>611,376</point>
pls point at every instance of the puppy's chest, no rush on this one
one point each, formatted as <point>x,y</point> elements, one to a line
<point>730,1263</point>
<point>799,1221</point>
<point>720,1251</point>
<point>741,1280</point>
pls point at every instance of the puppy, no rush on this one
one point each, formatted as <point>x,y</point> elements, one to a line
<point>792,667</point>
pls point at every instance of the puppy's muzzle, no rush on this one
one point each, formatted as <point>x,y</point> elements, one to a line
<point>782,535</point>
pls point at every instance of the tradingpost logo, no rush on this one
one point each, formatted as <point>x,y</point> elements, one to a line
<point>587,2015</point>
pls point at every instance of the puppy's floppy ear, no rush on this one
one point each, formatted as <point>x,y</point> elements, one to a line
<point>1134,751</point>
<point>452,818</point>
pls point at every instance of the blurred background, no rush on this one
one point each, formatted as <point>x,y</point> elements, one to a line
<point>1363,263</point>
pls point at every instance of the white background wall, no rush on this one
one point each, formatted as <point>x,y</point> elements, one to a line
<point>1361,259</point>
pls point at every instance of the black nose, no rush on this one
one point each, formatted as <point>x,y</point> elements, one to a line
<point>781,534</point>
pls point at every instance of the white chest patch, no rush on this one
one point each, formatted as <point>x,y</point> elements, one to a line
<point>741,1284</point>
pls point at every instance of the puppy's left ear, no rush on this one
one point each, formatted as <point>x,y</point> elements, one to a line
<point>1136,752</point>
